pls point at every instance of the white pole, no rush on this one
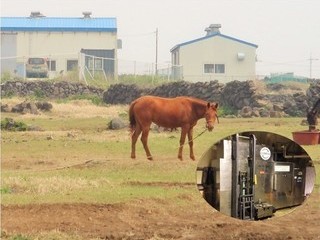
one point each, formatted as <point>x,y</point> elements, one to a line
<point>156,67</point>
<point>311,59</point>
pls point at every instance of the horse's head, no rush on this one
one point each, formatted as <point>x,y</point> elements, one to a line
<point>211,115</point>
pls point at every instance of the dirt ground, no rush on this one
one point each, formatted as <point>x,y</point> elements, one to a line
<point>158,219</point>
<point>153,219</point>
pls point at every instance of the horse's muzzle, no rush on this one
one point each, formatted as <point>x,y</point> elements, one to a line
<point>210,127</point>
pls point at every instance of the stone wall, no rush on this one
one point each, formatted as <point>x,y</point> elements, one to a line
<point>124,94</point>
<point>236,93</point>
<point>244,96</point>
<point>47,89</point>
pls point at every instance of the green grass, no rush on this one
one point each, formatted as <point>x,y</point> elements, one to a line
<point>93,164</point>
<point>113,181</point>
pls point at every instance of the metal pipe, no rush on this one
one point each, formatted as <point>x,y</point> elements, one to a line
<point>292,156</point>
<point>235,174</point>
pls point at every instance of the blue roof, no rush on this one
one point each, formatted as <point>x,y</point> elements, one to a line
<point>210,36</point>
<point>55,24</point>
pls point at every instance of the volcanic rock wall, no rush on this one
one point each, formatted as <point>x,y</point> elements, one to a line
<point>236,93</point>
<point>243,96</point>
<point>47,89</point>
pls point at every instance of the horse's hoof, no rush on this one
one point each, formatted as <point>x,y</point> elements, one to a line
<point>133,157</point>
<point>193,158</point>
<point>150,158</point>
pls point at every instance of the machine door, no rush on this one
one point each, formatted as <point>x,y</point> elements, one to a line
<point>283,184</point>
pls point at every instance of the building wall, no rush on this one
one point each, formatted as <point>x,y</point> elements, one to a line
<point>217,50</point>
<point>62,46</point>
<point>8,50</point>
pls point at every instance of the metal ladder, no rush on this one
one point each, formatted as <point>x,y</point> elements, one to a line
<point>246,201</point>
<point>243,181</point>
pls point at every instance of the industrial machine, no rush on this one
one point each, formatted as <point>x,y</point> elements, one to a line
<point>252,175</point>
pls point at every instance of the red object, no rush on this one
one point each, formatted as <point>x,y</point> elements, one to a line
<point>307,137</point>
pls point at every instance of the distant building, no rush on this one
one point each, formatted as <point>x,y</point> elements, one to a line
<point>60,41</point>
<point>214,57</point>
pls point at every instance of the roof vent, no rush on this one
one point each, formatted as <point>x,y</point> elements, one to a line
<point>36,14</point>
<point>213,29</point>
<point>86,14</point>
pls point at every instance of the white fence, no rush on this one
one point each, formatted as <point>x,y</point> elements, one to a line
<point>90,67</point>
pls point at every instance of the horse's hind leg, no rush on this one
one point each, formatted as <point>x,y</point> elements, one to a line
<point>190,139</point>
<point>144,140</point>
<point>134,138</point>
<point>182,140</point>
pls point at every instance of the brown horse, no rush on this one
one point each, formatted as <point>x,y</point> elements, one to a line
<point>176,112</point>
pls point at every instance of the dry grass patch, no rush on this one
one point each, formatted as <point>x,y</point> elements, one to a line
<point>54,184</point>
<point>85,109</point>
<point>72,108</point>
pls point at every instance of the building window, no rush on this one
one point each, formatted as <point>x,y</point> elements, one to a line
<point>97,63</point>
<point>72,65</point>
<point>219,68</point>
<point>208,68</point>
<point>214,68</point>
<point>52,65</point>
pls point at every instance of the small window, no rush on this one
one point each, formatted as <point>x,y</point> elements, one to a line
<point>52,65</point>
<point>97,63</point>
<point>208,68</point>
<point>219,68</point>
<point>72,65</point>
<point>36,61</point>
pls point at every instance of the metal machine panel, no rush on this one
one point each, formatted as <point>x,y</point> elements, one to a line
<point>283,184</point>
<point>243,153</point>
<point>225,178</point>
<point>309,180</point>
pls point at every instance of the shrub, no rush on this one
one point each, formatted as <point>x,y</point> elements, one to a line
<point>226,110</point>
<point>11,125</point>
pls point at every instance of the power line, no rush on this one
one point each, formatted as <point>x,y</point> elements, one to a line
<point>137,35</point>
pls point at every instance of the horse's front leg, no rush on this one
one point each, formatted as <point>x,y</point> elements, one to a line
<point>184,131</point>
<point>190,139</point>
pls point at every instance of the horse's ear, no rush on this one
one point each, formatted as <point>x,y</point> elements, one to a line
<point>208,105</point>
<point>217,105</point>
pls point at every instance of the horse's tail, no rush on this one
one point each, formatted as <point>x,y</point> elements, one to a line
<point>132,119</point>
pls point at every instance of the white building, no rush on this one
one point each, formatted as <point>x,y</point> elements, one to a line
<point>60,40</point>
<point>215,57</point>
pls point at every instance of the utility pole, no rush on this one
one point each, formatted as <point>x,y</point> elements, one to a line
<point>156,71</point>
<point>310,60</point>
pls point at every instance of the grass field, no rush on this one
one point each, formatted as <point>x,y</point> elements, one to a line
<point>75,156</point>
<point>76,159</point>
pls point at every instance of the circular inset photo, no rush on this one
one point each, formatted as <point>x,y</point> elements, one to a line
<point>255,175</point>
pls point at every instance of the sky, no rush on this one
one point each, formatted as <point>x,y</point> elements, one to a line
<point>287,32</point>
